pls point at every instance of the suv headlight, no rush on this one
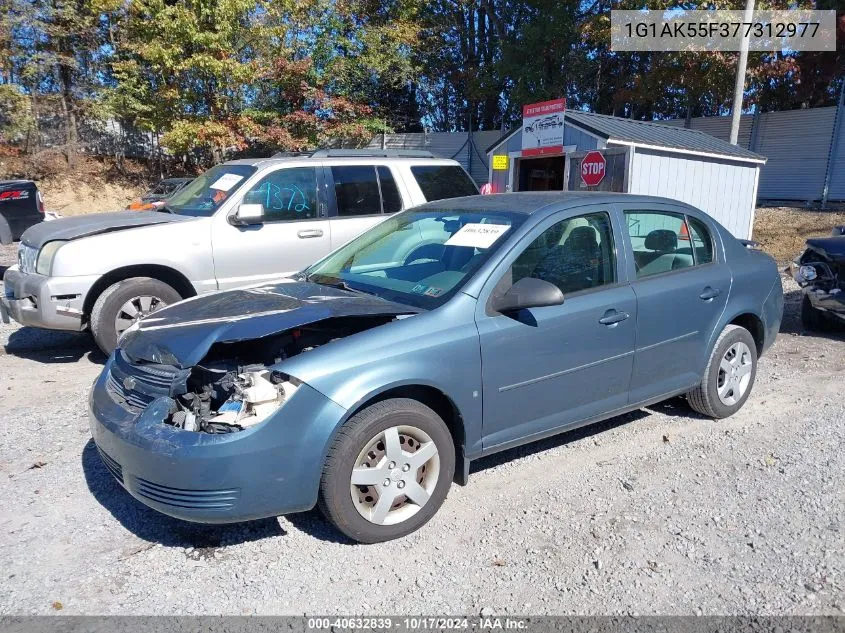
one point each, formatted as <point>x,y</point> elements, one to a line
<point>46,256</point>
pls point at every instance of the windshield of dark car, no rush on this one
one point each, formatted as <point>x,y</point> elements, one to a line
<point>419,258</point>
<point>204,195</point>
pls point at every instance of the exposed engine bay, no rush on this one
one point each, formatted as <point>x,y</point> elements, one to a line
<point>234,387</point>
<point>823,269</point>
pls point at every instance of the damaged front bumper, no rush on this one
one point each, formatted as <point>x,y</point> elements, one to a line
<point>48,302</point>
<point>822,286</point>
<point>268,470</point>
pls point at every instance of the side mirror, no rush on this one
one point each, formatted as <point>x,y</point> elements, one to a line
<point>248,214</point>
<point>528,292</point>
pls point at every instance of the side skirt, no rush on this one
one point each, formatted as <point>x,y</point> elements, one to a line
<point>571,427</point>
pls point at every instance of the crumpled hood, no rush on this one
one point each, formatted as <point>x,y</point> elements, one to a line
<point>832,247</point>
<point>182,334</point>
<point>85,225</point>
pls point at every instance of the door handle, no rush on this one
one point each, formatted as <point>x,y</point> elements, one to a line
<point>708,294</point>
<point>305,234</point>
<point>612,317</point>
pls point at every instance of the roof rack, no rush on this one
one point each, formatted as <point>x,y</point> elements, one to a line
<point>370,153</point>
<point>290,154</point>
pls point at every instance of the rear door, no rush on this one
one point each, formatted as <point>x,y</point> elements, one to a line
<point>682,284</point>
<point>360,196</point>
<point>295,234</point>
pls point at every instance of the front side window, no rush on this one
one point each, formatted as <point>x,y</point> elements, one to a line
<point>438,182</point>
<point>356,189</point>
<point>287,194</point>
<point>206,193</point>
<point>661,242</point>
<point>419,258</point>
<point>575,254</point>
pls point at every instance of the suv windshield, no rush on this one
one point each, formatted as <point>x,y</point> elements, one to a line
<point>420,258</point>
<point>207,192</point>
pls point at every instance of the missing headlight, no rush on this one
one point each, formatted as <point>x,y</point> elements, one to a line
<point>234,402</point>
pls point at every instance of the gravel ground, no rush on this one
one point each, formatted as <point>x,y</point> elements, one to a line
<point>655,512</point>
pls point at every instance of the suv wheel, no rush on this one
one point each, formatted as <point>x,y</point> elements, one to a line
<point>388,471</point>
<point>122,304</point>
<point>729,376</point>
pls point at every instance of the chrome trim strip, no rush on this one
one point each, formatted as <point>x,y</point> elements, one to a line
<point>671,340</point>
<point>564,372</point>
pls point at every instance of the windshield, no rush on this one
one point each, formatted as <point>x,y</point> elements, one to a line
<point>207,192</point>
<point>419,258</point>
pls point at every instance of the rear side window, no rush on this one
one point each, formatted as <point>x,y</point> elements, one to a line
<point>702,243</point>
<point>661,242</point>
<point>439,182</point>
<point>356,189</point>
<point>390,199</point>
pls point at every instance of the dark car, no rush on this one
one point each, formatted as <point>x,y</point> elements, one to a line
<point>447,332</point>
<point>820,271</point>
<point>21,207</point>
<point>156,196</point>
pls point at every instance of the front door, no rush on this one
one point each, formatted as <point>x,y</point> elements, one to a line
<point>547,368</point>
<point>682,288</point>
<point>296,231</point>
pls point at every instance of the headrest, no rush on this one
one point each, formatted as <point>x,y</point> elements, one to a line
<point>582,238</point>
<point>662,240</point>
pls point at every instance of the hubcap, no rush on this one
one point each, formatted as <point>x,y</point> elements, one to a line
<point>734,373</point>
<point>394,475</point>
<point>134,309</point>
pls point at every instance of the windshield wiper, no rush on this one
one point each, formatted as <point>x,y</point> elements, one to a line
<point>341,284</point>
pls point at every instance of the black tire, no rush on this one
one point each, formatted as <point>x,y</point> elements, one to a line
<point>705,398</point>
<point>811,318</point>
<point>335,496</point>
<point>112,299</point>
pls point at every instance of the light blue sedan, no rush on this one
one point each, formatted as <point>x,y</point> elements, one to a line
<point>369,382</point>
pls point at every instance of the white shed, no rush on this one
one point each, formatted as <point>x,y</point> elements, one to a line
<point>641,157</point>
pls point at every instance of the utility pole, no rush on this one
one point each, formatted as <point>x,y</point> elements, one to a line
<point>739,89</point>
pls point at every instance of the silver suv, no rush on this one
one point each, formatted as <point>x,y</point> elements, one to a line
<point>239,223</point>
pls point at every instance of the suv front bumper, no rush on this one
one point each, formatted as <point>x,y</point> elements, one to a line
<point>49,302</point>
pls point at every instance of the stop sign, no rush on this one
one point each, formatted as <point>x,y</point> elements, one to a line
<point>593,167</point>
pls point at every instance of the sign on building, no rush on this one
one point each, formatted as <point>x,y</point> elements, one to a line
<point>500,161</point>
<point>542,127</point>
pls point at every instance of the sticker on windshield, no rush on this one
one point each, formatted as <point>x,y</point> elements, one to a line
<point>226,182</point>
<point>477,235</point>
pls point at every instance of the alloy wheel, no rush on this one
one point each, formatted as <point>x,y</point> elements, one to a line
<point>135,309</point>
<point>734,373</point>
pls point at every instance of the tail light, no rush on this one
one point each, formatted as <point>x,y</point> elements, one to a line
<point>39,202</point>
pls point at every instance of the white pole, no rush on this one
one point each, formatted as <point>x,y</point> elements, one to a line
<point>739,88</point>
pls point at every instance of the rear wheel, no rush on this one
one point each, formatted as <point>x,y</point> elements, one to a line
<point>811,319</point>
<point>388,471</point>
<point>122,304</point>
<point>729,376</point>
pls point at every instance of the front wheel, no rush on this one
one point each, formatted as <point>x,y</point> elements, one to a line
<point>122,304</point>
<point>729,376</point>
<point>388,471</point>
<point>811,318</point>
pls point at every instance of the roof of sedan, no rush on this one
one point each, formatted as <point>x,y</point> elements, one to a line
<point>529,202</point>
